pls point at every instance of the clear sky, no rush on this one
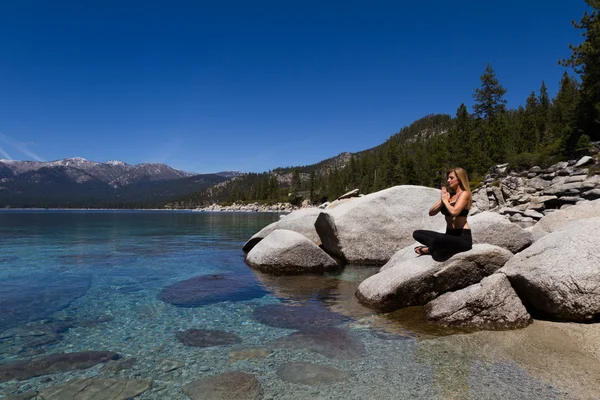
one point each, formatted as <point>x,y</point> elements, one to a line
<point>207,86</point>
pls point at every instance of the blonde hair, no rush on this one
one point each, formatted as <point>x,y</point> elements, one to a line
<point>463,178</point>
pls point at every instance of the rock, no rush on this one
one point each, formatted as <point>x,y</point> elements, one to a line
<point>35,297</point>
<point>491,228</point>
<point>491,304</point>
<point>548,176</point>
<point>558,219</point>
<point>569,199</point>
<point>576,178</point>
<point>560,189</point>
<point>62,362</point>
<point>559,275</point>
<point>297,317</point>
<point>288,252</point>
<point>535,169</point>
<point>94,388</point>
<point>591,194</point>
<point>209,289</point>
<point>498,195</point>
<point>535,215</point>
<point>370,229</point>
<point>226,386</point>
<point>304,373</point>
<point>585,160</point>
<point>560,165</point>
<point>20,396</point>
<point>508,211</point>
<point>301,221</point>
<point>246,353</point>
<point>120,364</point>
<point>206,338</point>
<point>352,193</point>
<point>538,183</point>
<point>298,287</point>
<point>165,365</point>
<point>418,281</point>
<point>331,342</point>
<point>542,202</point>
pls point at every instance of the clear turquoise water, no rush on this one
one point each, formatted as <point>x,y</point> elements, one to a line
<point>92,281</point>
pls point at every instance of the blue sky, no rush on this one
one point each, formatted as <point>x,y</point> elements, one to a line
<point>207,86</point>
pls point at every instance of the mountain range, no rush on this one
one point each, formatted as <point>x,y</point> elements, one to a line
<point>77,182</point>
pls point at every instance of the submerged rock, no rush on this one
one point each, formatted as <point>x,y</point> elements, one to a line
<point>245,353</point>
<point>310,374</point>
<point>297,317</point>
<point>208,289</point>
<point>559,275</point>
<point>206,338</point>
<point>417,281</point>
<point>297,287</point>
<point>120,364</point>
<point>227,386</point>
<point>491,304</point>
<point>94,388</point>
<point>288,252</point>
<point>328,341</point>
<point>54,363</point>
<point>31,298</point>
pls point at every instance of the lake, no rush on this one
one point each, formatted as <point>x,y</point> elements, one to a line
<point>171,294</point>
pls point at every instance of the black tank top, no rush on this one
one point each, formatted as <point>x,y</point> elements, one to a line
<point>463,213</point>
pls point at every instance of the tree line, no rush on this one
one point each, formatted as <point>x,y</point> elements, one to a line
<point>540,132</point>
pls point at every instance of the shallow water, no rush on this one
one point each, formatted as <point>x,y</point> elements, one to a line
<point>131,282</point>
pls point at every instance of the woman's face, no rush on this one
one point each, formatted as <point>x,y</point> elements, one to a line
<point>453,181</point>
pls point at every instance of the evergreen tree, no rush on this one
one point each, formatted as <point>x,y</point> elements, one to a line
<point>543,114</point>
<point>585,59</point>
<point>296,182</point>
<point>562,112</point>
<point>489,107</point>
<point>489,98</point>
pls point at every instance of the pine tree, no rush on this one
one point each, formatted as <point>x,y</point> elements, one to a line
<point>585,60</point>
<point>489,107</point>
<point>562,111</point>
<point>543,114</point>
<point>489,98</point>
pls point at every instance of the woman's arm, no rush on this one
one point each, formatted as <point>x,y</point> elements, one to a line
<point>459,205</point>
<point>435,209</point>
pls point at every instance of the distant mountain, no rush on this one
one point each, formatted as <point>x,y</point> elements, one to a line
<point>77,182</point>
<point>229,174</point>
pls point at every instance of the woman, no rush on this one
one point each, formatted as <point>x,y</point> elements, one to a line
<point>455,203</point>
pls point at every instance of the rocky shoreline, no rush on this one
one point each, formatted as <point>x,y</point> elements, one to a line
<point>511,274</point>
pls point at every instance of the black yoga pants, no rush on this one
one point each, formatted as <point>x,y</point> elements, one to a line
<point>442,244</point>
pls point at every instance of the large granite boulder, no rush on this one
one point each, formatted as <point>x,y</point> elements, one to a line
<point>558,219</point>
<point>491,304</point>
<point>301,221</point>
<point>559,275</point>
<point>420,280</point>
<point>492,228</point>
<point>370,229</point>
<point>288,252</point>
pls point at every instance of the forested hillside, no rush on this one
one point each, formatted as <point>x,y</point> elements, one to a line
<point>539,132</point>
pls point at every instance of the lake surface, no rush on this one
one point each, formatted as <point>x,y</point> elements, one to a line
<point>170,293</point>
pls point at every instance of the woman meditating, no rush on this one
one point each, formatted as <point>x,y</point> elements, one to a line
<point>455,203</point>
